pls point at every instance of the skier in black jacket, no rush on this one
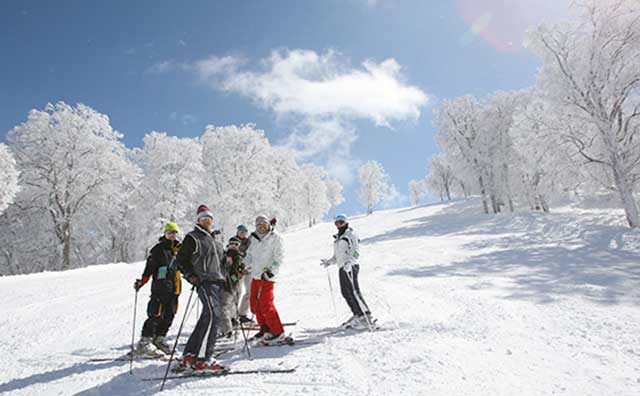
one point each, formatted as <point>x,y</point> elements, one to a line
<point>165,290</point>
<point>201,260</point>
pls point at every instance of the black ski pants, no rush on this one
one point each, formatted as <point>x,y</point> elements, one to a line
<point>206,330</point>
<point>351,291</point>
<point>160,314</point>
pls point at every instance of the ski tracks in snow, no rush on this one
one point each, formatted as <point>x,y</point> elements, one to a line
<point>469,305</point>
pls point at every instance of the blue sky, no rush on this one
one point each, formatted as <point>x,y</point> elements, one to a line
<point>172,67</point>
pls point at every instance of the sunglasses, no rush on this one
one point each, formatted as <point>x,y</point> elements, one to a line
<point>171,232</point>
<point>340,222</point>
<point>234,244</point>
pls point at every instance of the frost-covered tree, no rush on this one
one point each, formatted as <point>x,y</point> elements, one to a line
<point>591,69</point>
<point>288,206</point>
<point>416,191</point>
<point>172,184</point>
<point>8,177</point>
<point>334,192</point>
<point>545,163</point>
<point>67,157</point>
<point>240,178</point>
<point>476,132</point>
<point>85,198</point>
<point>460,129</point>
<point>314,193</point>
<point>374,184</point>
<point>440,177</point>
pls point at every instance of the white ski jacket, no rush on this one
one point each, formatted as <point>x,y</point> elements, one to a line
<point>265,254</point>
<point>346,249</point>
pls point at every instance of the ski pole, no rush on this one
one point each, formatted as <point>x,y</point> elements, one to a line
<point>361,303</point>
<point>175,344</point>
<point>333,298</point>
<point>133,331</point>
<point>244,335</point>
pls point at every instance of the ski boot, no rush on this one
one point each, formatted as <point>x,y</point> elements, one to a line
<point>271,339</point>
<point>348,322</point>
<point>363,322</point>
<point>188,362</point>
<point>210,367</point>
<point>146,348</point>
<point>161,344</point>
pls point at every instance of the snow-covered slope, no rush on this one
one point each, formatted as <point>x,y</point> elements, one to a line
<point>469,304</point>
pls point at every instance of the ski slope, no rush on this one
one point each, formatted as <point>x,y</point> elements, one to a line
<point>469,304</point>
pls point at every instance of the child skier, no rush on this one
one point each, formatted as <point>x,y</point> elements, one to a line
<point>234,267</point>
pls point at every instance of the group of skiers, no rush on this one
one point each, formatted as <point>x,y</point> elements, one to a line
<point>231,282</point>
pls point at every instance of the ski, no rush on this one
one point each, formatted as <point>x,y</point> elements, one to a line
<point>222,373</point>
<point>255,327</point>
<point>125,358</point>
<point>135,359</point>
<point>327,331</point>
<point>292,342</point>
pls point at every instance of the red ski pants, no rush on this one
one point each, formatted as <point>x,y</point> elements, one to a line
<point>262,305</point>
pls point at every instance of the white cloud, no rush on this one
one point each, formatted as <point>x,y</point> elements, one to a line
<point>167,66</point>
<point>185,119</point>
<point>214,68</point>
<point>162,67</point>
<point>322,94</point>
<point>304,82</point>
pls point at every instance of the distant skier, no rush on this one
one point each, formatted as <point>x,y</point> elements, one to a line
<point>346,252</point>
<point>165,290</point>
<point>264,257</point>
<point>201,260</point>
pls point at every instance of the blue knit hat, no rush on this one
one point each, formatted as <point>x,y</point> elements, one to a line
<point>341,216</point>
<point>242,228</point>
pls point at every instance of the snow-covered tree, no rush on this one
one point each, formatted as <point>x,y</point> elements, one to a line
<point>334,192</point>
<point>416,191</point>
<point>460,130</point>
<point>172,184</point>
<point>241,179</point>
<point>374,184</point>
<point>545,163</point>
<point>67,156</point>
<point>476,132</point>
<point>314,193</point>
<point>440,177</point>
<point>288,206</point>
<point>591,69</point>
<point>8,177</point>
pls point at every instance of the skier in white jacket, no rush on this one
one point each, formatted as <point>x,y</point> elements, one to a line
<point>264,257</point>
<point>346,251</point>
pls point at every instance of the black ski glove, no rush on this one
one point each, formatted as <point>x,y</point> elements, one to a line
<point>267,274</point>
<point>193,279</point>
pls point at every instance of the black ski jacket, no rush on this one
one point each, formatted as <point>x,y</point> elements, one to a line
<point>162,269</point>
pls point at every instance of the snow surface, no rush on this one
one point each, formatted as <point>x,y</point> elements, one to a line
<point>470,304</point>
